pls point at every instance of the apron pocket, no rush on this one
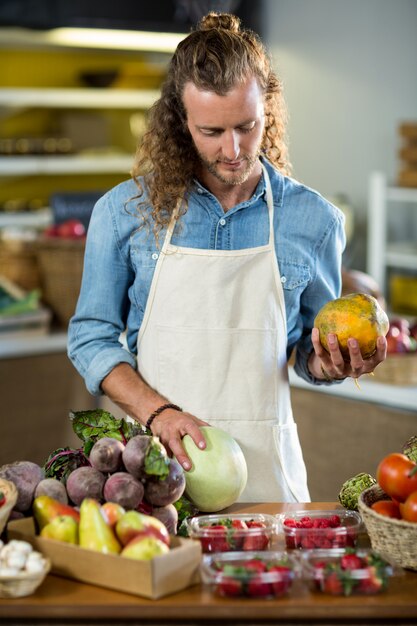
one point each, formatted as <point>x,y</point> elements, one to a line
<point>230,373</point>
<point>291,460</point>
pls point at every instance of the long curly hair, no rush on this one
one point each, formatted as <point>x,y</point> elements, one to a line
<point>216,56</point>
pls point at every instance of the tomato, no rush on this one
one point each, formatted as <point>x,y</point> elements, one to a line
<point>393,476</point>
<point>387,507</point>
<point>409,508</point>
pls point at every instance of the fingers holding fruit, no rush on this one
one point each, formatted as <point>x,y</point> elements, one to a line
<point>171,426</point>
<point>349,336</point>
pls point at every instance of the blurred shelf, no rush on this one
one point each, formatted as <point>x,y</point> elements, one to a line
<point>404,398</point>
<point>27,345</point>
<point>58,164</point>
<point>30,219</point>
<point>77,98</point>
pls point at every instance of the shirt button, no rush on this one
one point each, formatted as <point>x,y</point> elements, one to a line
<point>155,256</point>
<point>283,279</point>
<point>222,222</point>
<point>200,191</point>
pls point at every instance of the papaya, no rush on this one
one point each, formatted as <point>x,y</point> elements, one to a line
<point>356,315</point>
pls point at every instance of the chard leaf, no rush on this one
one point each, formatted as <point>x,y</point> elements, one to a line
<point>62,461</point>
<point>92,425</point>
<point>156,459</point>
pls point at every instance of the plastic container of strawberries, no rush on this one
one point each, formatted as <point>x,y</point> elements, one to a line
<point>310,530</point>
<point>345,572</point>
<point>233,532</point>
<point>266,575</point>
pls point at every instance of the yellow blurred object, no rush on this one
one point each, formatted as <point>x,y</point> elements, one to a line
<point>403,294</point>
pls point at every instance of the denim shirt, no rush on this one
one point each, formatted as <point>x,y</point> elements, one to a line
<point>120,260</point>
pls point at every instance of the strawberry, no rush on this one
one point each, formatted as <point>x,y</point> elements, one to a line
<point>258,541</point>
<point>214,539</point>
<point>351,561</point>
<point>257,587</point>
<point>2,498</point>
<point>373,581</point>
<point>256,565</point>
<point>332,583</point>
<point>282,584</point>
<point>229,586</point>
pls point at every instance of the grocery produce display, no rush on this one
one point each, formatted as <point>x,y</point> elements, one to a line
<point>347,572</point>
<point>249,574</point>
<point>320,529</point>
<point>234,532</point>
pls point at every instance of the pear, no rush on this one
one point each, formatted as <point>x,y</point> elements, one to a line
<point>45,509</point>
<point>94,532</point>
<point>61,528</point>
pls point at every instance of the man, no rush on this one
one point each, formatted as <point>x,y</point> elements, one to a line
<point>215,262</point>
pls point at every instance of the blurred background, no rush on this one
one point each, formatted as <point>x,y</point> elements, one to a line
<point>76,81</point>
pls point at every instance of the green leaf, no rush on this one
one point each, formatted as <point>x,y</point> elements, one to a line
<point>156,459</point>
<point>92,425</point>
<point>62,461</point>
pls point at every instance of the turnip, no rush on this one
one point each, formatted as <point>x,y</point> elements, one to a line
<point>122,488</point>
<point>106,455</point>
<point>25,475</point>
<point>160,492</point>
<point>85,482</point>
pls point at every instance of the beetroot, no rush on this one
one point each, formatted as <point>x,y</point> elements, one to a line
<point>124,489</point>
<point>166,491</point>
<point>134,455</point>
<point>106,455</point>
<point>25,475</point>
<point>168,515</point>
<point>85,482</point>
<point>53,488</point>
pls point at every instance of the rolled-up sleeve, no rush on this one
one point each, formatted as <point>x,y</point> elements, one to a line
<point>94,334</point>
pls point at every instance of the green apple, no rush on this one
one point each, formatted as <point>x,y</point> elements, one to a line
<point>144,548</point>
<point>61,528</point>
<point>133,523</point>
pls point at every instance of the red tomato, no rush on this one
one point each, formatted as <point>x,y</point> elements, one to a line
<point>387,507</point>
<point>393,476</point>
<point>409,508</point>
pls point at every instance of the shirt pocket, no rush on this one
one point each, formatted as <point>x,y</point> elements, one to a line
<point>294,276</point>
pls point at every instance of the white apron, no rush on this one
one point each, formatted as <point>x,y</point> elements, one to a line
<point>213,340</point>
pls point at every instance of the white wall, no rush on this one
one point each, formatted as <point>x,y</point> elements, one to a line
<point>349,69</point>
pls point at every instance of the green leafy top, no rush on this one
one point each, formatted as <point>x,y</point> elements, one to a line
<point>92,425</point>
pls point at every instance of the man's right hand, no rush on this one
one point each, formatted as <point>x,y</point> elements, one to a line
<point>171,426</point>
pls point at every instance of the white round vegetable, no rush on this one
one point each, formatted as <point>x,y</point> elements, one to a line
<point>219,473</point>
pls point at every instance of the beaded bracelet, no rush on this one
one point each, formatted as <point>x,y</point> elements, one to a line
<point>158,411</point>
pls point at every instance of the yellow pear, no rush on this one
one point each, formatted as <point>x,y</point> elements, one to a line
<point>94,532</point>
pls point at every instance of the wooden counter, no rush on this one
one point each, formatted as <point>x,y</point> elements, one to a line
<point>61,601</point>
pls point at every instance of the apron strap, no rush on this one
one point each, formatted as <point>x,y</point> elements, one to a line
<point>270,205</point>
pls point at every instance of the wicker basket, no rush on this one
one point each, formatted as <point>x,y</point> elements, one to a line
<point>19,263</point>
<point>61,265</point>
<point>397,369</point>
<point>23,583</point>
<point>396,538</point>
<point>10,491</point>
